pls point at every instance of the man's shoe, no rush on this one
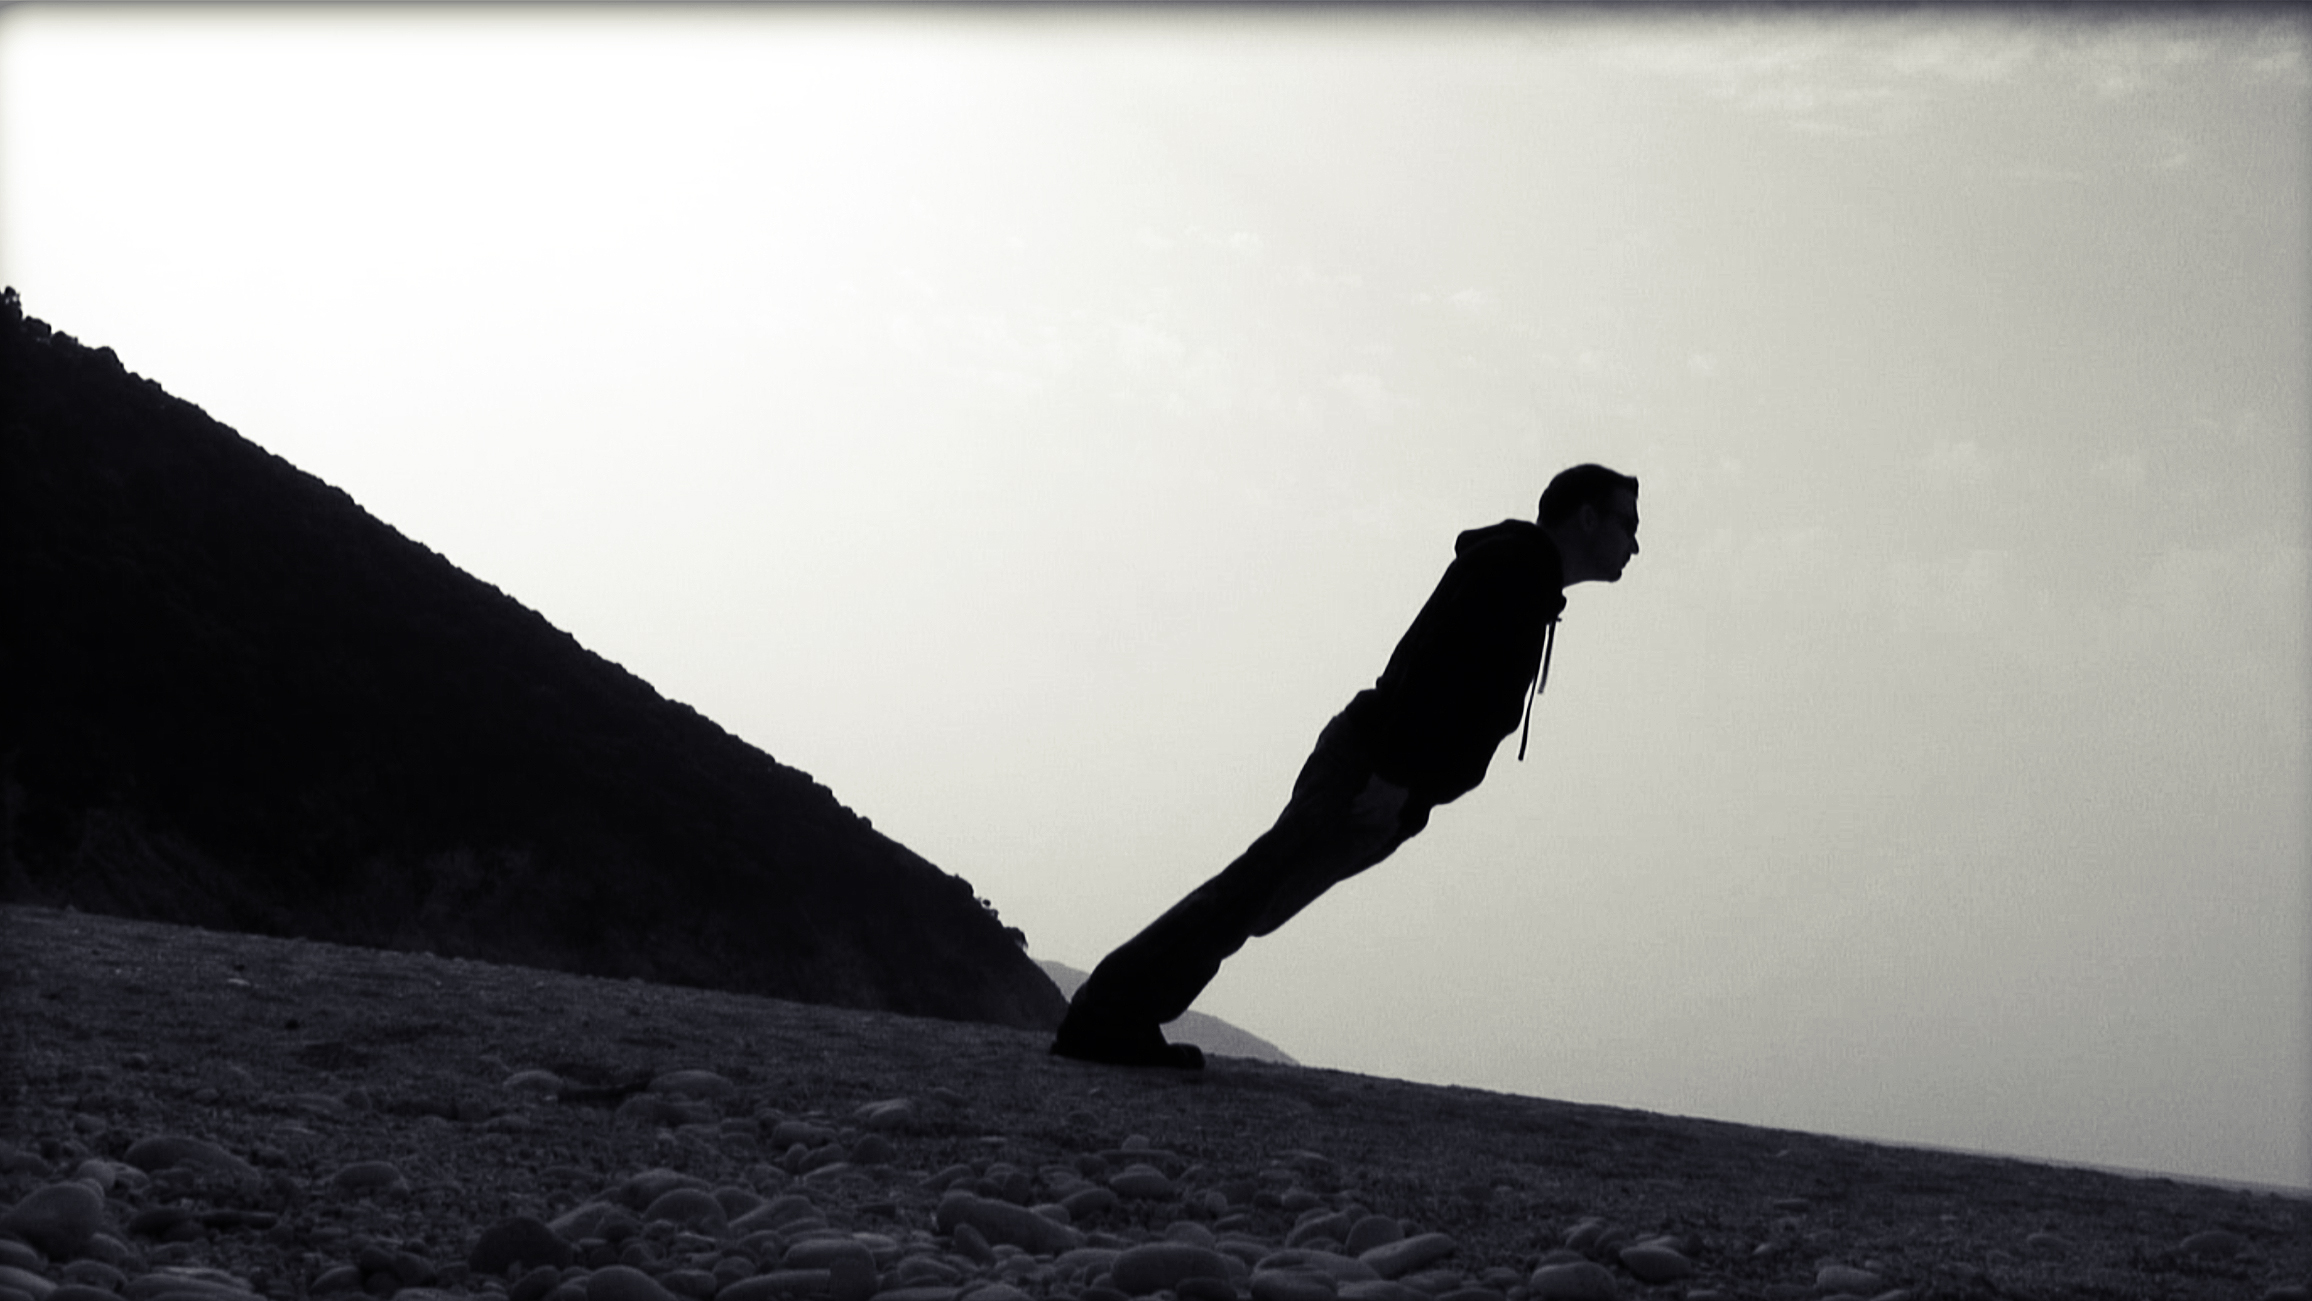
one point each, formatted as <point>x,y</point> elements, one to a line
<point>1142,1046</point>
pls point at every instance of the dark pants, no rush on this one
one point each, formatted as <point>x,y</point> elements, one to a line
<point>1335,826</point>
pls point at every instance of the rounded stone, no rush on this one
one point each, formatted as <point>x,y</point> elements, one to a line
<point>849,1264</point>
<point>1380,1289</point>
<point>1145,1182</point>
<point>1292,1285</point>
<point>520,1240</point>
<point>364,1177</point>
<point>1155,1266</point>
<point>2214,1244</point>
<point>1191,1231</point>
<point>624,1283</point>
<point>1004,1222</point>
<point>889,1114</point>
<point>1402,1257</point>
<point>693,1208</point>
<point>779,1283</point>
<point>1343,1269</point>
<point>1091,1201</point>
<point>1653,1263</point>
<point>641,1190</point>
<point>1846,1278</point>
<point>163,1151</point>
<point>787,1133</point>
<point>543,1083</point>
<point>1579,1281</point>
<point>59,1219</point>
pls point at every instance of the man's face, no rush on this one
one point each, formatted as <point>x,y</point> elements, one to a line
<point>1613,534</point>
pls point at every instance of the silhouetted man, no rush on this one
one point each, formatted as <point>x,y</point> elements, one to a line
<point>1421,736</point>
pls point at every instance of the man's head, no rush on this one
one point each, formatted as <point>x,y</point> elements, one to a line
<point>1591,512</point>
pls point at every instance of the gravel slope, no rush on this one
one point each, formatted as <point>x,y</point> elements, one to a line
<point>365,1121</point>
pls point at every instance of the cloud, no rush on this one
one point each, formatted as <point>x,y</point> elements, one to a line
<point>1961,461</point>
<point>2278,57</point>
<point>1861,74</point>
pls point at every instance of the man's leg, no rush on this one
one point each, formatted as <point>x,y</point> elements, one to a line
<point>1340,821</point>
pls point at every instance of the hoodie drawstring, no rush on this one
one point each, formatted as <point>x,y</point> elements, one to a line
<point>1548,643</point>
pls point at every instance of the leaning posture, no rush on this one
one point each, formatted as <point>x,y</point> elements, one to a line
<point>1421,736</point>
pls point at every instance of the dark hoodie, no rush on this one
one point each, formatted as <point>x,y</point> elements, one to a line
<point>1460,675</point>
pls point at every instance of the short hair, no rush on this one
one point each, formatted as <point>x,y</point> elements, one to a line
<point>1583,485</point>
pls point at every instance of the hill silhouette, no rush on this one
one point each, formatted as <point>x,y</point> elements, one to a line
<point>234,699</point>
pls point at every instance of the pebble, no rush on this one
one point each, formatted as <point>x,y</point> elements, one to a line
<point>363,1178</point>
<point>1293,1285</point>
<point>1402,1257</point>
<point>2214,1244</point>
<point>1846,1278</point>
<point>830,1210</point>
<point>1154,1266</point>
<point>1584,1280</point>
<point>624,1283</point>
<point>1653,1263</point>
<point>520,1240</point>
<point>59,1219</point>
<point>165,1151</point>
<point>1003,1222</point>
<point>1087,1202</point>
<point>1142,1181</point>
<point>692,1208</point>
<point>889,1114</point>
<point>779,1283</point>
<point>788,1133</point>
<point>850,1266</point>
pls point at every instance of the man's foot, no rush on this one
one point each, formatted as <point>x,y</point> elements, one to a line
<point>1115,1046</point>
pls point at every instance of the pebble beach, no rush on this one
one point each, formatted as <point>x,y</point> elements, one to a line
<point>202,1116</point>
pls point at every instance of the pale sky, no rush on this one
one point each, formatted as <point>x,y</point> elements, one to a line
<point>1035,424</point>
